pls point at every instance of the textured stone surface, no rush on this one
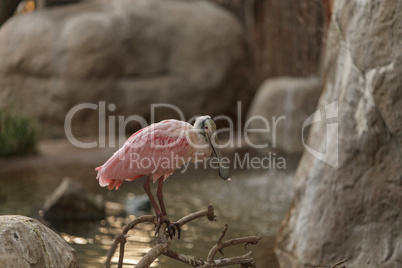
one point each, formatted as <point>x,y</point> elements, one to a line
<point>132,54</point>
<point>288,37</point>
<point>295,99</point>
<point>71,202</point>
<point>353,210</point>
<point>284,37</point>
<point>25,242</point>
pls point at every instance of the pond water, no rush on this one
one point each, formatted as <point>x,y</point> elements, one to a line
<point>251,203</point>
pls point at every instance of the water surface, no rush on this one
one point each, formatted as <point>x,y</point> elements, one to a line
<point>252,203</point>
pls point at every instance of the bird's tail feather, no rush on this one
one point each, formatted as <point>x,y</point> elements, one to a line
<point>114,184</point>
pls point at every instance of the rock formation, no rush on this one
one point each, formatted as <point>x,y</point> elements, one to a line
<point>290,101</point>
<point>352,207</point>
<point>71,202</point>
<point>25,242</point>
<point>130,54</point>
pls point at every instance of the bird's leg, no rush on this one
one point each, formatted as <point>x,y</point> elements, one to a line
<point>171,226</point>
<point>147,188</point>
<point>159,194</point>
<point>160,214</point>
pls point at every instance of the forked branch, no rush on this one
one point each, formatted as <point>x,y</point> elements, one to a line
<point>162,246</point>
<point>210,262</point>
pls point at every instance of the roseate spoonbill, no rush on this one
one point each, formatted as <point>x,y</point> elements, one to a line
<point>157,151</point>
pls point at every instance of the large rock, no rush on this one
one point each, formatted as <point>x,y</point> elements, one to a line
<point>129,53</point>
<point>290,101</point>
<point>25,242</point>
<point>71,202</point>
<point>353,210</point>
<point>137,205</point>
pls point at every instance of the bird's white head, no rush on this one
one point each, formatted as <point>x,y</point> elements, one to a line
<point>206,128</point>
<point>205,124</point>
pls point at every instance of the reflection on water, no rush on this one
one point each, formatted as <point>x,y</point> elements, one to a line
<point>252,203</point>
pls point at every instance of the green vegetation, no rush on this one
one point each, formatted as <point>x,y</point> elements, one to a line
<point>17,134</point>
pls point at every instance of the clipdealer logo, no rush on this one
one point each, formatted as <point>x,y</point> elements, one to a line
<point>326,151</point>
<point>236,130</point>
<point>328,115</point>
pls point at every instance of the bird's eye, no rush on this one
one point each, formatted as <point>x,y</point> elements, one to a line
<point>206,127</point>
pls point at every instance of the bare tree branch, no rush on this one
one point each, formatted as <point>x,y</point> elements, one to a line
<point>183,258</point>
<point>244,260</point>
<point>142,219</point>
<point>334,265</point>
<point>130,226</point>
<point>120,239</point>
<point>162,246</point>
<point>339,263</point>
<point>209,213</point>
<point>221,245</point>
<point>151,255</point>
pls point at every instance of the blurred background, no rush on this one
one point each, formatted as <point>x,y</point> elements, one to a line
<point>241,59</point>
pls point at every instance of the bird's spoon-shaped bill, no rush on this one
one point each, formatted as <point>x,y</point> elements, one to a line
<point>224,171</point>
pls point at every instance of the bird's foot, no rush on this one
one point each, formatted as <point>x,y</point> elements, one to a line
<point>172,227</point>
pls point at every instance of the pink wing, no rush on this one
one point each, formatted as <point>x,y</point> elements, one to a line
<point>156,150</point>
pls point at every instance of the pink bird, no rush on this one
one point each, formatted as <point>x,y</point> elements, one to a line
<point>157,151</point>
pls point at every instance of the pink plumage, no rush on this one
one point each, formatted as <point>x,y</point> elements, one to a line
<point>156,151</point>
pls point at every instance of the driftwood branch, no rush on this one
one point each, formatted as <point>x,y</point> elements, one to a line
<point>183,258</point>
<point>162,246</point>
<point>339,263</point>
<point>335,265</point>
<point>130,226</point>
<point>151,255</point>
<point>245,259</point>
<point>209,213</point>
<point>120,239</point>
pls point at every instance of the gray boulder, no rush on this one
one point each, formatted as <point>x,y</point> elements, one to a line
<point>25,242</point>
<point>137,205</point>
<point>290,101</point>
<point>71,202</point>
<point>128,53</point>
<point>348,199</point>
